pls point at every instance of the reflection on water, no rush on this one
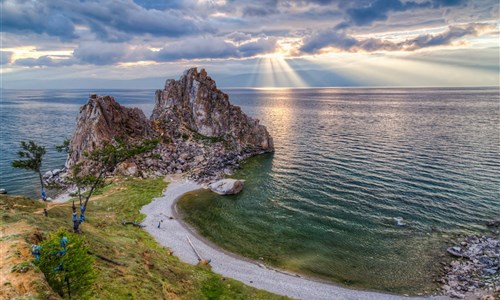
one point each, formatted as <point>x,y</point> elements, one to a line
<point>347,162</point>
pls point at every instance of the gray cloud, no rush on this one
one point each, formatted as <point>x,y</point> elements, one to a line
<point>100,53</point>
<point>114,20</point>
<point>340,40</point>
<point>36,17</point>
<point>45,61</point>
<point>213,48</point>
<point>362,13</point>
<point>5,57</point>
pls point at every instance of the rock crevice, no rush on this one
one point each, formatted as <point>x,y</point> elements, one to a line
<point>200,131</point>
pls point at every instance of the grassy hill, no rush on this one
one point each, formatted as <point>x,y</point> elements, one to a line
<point>146,271</point>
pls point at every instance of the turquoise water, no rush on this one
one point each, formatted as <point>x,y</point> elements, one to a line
<point>349,161</point>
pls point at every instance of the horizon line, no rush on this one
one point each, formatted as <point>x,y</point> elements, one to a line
<point>283,87</point>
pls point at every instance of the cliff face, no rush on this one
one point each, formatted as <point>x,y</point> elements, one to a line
<point>200,132</point>
<point>195,104</point>
<point>102,119</point>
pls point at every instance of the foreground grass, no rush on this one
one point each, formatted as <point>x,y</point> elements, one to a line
<point>149,271</point>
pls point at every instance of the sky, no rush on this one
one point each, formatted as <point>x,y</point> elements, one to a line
<point>268,43</point>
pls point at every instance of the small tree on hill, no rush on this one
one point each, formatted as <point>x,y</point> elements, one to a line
<point>31,159</point>
<point>66,264</point>
<point>102,161</point>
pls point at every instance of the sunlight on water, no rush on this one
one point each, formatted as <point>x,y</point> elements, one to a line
<point>347,163</point>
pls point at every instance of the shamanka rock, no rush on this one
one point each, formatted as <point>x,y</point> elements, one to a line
<point>200,132</point>
<point>194,104</point>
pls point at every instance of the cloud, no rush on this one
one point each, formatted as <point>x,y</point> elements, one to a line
<point>342,41</point>
<point>213,48</point>
<point>36,17</point>
<point>260,46</point>
<point>239,36</point>
<point>259,11</point>
<point>5,57</point>
<point>100,53</point>
<point>114,20</point>
<point>452,34</point>
<point>378,10</point>
<point>45,61</point>
<point>196,49</point>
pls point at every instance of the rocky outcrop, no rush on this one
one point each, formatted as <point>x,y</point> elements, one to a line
<point>194,104</point>
<point>102,119</point>
<point>227,186</point>
<point>200,132</point>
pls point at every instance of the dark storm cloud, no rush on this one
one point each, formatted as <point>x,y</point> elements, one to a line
<point>342,41</point>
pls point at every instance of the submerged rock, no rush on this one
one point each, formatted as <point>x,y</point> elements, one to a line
<point>494,223</point>
<point>476,270</point>
<point>227,186</point>
<point>399,221</point>
<point>455,251</point>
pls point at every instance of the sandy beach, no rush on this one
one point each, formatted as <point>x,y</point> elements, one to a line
<point>173,234</point>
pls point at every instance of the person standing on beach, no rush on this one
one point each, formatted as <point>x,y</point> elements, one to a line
<point>159,223</point>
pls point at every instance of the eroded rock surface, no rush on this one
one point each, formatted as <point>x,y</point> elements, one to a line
<point>194,104</point>
<point>200,132</point>
<point>102,119</point>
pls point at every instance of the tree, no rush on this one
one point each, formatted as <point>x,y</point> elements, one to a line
<point>68,267</point>
<point>31,159</point>
<point>100,162</point>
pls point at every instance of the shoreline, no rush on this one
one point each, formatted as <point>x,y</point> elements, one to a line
<point>173,234</point>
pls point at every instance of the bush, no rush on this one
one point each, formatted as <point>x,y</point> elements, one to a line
<point>69,272</point>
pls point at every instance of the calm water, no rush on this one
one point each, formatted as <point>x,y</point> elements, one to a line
<point>46,117</point>
<point>347,162</point>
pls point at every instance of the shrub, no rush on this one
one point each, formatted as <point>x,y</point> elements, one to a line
<point>68,268</point>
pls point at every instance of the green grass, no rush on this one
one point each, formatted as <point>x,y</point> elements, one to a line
<point>148,271</point>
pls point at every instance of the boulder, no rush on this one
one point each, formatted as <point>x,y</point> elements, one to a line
<point>227,186</point>
<point>455,251</point>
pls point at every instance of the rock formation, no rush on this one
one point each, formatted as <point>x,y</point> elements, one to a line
<point>102,119</point>
<point>193,103</point>
<point>200,132</point>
